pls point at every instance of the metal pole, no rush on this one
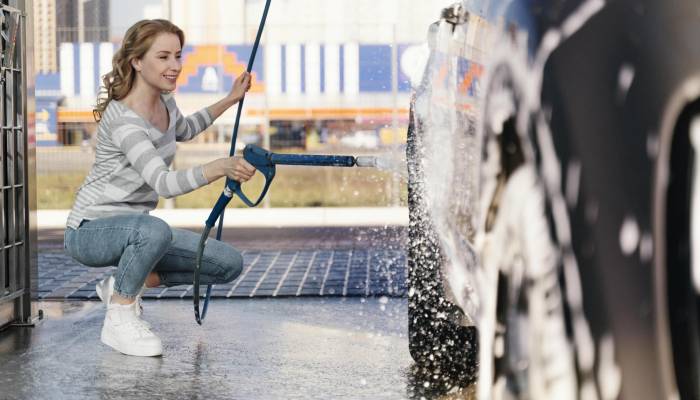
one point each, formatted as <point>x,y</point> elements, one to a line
<point>266,121</point>
<point>221,137</point>
<point>81,21</point>
<point>395,184</point>
<point>245,21</point>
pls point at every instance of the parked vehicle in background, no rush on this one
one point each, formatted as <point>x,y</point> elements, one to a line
<point>553,238</point>
<point>361,140</point>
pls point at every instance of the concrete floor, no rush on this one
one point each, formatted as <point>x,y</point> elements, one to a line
<point>263,348</point>
<point>247,349</point>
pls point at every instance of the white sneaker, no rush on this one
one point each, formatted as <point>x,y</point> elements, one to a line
<point>126,333</point>
<point>105,289</point>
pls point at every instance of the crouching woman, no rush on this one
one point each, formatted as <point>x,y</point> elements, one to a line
<point>109,223</point>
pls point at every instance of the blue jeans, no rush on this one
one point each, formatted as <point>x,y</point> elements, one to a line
<point>139,244</point>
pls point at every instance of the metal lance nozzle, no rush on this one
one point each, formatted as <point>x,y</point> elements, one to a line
<point>366,161</point>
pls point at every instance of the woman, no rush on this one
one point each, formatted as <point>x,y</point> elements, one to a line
<point>109,224</point>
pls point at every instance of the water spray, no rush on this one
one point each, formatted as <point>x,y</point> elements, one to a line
<point>396,166</point>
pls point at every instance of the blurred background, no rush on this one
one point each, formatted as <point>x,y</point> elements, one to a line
<point>332,77</point>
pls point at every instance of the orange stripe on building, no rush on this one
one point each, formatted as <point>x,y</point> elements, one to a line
<point>63,115</point>
<point>327,113</point>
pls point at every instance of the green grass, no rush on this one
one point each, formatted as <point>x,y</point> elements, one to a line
<point>292,187</point>
<point>57,191</point>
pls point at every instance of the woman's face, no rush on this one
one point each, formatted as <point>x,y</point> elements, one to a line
<point>161,64</point>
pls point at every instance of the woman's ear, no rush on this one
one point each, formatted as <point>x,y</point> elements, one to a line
<point>136,64</point>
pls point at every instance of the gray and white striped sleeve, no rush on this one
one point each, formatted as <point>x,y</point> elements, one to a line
<point>188,128</point>
<point>143,157</point>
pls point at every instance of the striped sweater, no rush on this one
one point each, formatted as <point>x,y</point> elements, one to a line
<point>132,159</point>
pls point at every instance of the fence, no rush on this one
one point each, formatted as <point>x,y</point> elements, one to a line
<point>61,170</point>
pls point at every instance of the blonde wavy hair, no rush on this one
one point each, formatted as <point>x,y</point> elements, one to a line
<point>138,39</point>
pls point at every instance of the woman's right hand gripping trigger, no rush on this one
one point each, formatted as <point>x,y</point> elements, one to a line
<point>235,168</point>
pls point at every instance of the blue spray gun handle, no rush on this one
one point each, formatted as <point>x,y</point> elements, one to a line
<point>261,160</point>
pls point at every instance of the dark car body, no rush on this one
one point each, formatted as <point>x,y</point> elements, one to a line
<point>598,99</point>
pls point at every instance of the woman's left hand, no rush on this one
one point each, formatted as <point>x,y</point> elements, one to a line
<point>241,86</point>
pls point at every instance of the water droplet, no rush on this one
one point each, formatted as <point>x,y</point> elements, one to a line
<point>629,236</point>
<point>646,247</point>
<point>624,81</point>
<point>592,212</point>
<point>363,381</point>
<point>573,181</point>
<point>383,300</point>
<point>652,146</point>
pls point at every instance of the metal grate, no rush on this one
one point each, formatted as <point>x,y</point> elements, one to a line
<point>13,260</point>
<point>270,273</point>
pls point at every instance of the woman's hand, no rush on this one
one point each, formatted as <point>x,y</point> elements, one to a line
<point>240,87</point>
<point>235,168</point>
<point>238,169</point>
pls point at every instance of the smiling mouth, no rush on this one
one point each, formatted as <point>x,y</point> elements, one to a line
<point>170,77</point>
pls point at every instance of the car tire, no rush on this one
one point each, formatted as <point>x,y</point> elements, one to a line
<point>681,259</point>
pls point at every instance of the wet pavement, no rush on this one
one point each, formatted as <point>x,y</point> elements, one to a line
<point>341,344</point>
<point>247,349</point>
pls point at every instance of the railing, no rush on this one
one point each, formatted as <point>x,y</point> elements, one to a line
<point>62,169</point>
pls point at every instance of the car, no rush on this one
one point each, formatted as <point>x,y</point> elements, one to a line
<point>553,183</point>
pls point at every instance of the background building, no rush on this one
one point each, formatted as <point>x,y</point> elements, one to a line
<point>82,20</point>
<point>343,66</point>
<point>45,56</point>
<point>124,13</point>
<point>366,21</point>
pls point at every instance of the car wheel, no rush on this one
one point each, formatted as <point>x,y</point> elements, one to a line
<point>681,258</point>
<point>440,343</point>
<point>526,348</point>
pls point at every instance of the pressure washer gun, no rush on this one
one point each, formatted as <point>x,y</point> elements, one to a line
<point>265,162</point>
